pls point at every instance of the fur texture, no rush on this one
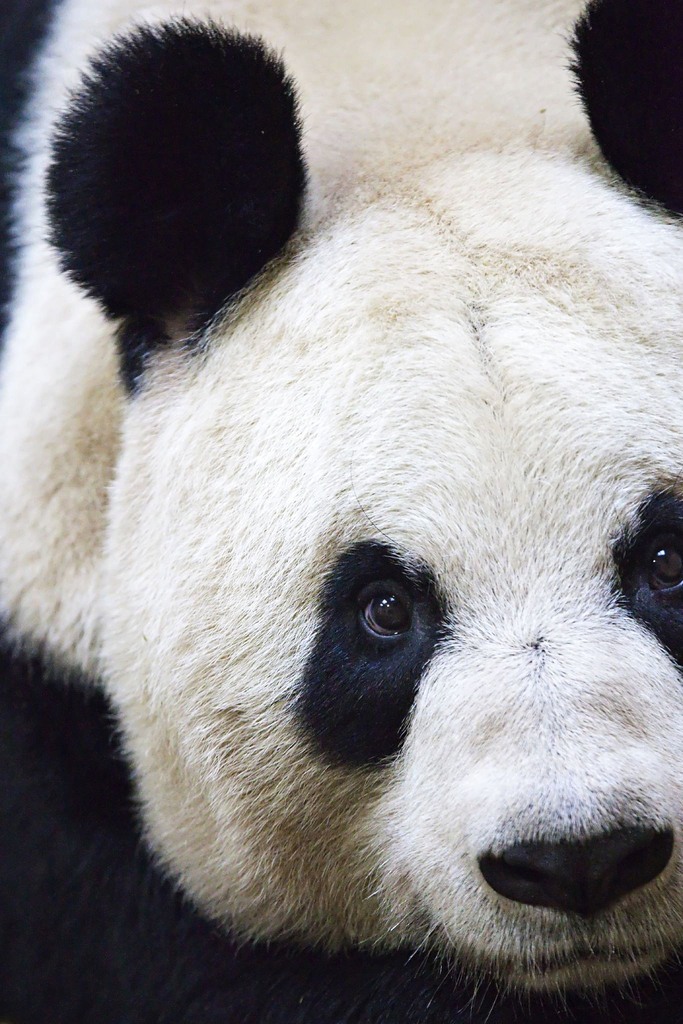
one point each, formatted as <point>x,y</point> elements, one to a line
<point>629,72</point>
<point>176,176</point>
<point>470,353</point>
<point>23,24</point>
<point>92,933</point>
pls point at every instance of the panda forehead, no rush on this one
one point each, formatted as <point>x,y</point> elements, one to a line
<point>418,386</point>
<point>459,457</point>
<point>512,466</point>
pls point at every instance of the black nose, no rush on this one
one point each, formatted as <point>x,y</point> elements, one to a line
<point>584,877</point>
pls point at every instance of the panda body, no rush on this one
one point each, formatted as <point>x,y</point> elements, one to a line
<point>453,390</point>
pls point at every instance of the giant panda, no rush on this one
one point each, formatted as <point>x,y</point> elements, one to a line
<point>341,517</point>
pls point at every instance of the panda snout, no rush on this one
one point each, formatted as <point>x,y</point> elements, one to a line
<point>582,877</point>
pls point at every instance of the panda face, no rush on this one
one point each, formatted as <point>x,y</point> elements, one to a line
<point>391,579</point>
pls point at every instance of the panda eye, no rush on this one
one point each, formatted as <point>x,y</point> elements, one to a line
<point>649,563</point>
<point>664,563</point>
<point>381,620</point>
<point>385,610</point>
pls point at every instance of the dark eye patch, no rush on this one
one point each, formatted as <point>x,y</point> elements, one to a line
<point>647,560</point>
<point>358,687</point>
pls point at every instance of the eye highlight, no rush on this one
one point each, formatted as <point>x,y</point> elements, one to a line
<point>385,610</point>
<point>665,563</point>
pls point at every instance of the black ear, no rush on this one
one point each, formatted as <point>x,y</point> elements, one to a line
<point>176,175</point>
<point>629,67</point>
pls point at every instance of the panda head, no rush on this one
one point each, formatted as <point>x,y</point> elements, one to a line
<point>392,597</point>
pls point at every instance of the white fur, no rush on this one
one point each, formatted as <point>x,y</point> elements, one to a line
<point>471,347</point>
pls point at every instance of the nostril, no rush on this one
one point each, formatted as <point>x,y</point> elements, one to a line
<point>583,877</point>
<point>512,874</point>
<point>647,857</point>
<point>531,875</point>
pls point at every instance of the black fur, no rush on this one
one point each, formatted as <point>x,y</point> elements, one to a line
<point>661,612</point>
<point>176,175</point>
<point>630,75</point>
<point>357,693</point>
<point>22,26</point>
<point>91,933</point>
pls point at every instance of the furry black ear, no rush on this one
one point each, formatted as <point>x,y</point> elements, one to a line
<point>629,66</point>
<point>176,175</point>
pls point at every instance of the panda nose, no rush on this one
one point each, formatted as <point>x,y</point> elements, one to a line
<point>582,877</point>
